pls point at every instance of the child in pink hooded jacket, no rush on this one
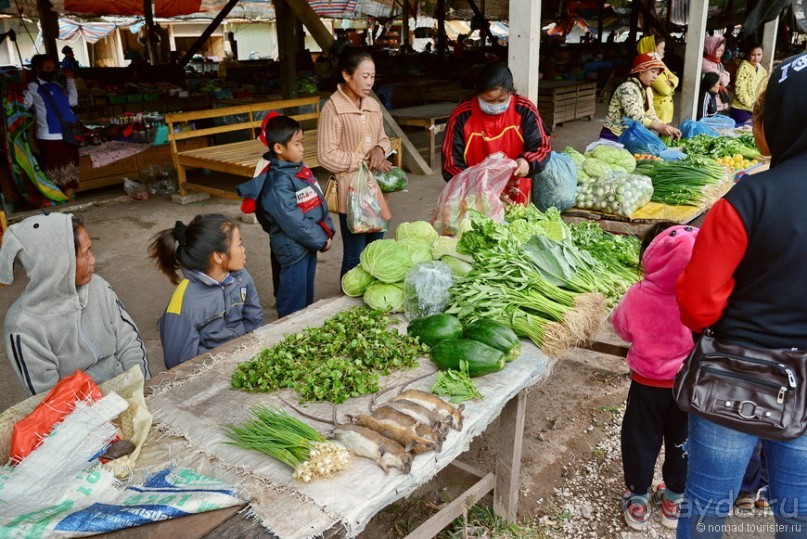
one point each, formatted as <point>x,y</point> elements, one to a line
<point>648,317</point>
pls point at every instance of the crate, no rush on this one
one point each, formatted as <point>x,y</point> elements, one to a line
<point>560,101</point>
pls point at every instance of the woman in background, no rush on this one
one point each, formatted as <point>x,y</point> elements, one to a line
<point>665,84</point>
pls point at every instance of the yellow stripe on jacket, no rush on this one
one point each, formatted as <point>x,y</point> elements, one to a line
<point>175,305</point>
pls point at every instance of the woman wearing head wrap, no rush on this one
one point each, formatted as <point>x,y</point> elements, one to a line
<point>633,99</point>
<point>664,86</point>
<point>713,49</point>
<point>746,281</point>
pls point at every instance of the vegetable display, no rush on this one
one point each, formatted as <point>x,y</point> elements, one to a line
<point>456,385</point>
<point>393,181</point>
<point>617,194</point>
<point>342,359</point>
<point>386,260</point>
<point>292,442</point>
<point>721,146</point>
<point>496,335</point>
<point>435,328</point>
<point>481,358</point>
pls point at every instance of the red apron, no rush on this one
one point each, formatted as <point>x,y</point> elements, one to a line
<point>487,134</point>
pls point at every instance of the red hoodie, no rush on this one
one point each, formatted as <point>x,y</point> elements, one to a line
<point>648,315</point>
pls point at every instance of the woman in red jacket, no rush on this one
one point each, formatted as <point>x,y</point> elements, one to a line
<point>496,120</point>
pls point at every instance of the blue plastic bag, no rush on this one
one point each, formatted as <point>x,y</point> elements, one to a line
<point>638,139</point>
<point>557,184</point>
<point>718,121</point>
<point>691,128</point>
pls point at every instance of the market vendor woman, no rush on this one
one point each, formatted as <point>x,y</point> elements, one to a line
<point>633,99</point>
<point>495,120</point>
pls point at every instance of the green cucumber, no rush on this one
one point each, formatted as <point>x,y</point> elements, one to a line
<point>435,328</point>
<point>496,335</point>
<point>481,358</point>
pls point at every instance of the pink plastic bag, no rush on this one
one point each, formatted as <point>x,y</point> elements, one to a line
<point>478,188</point>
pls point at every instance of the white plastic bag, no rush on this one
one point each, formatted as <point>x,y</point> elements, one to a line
<point>426,289</point>
<point>620,194</point>
<point>367,211</point>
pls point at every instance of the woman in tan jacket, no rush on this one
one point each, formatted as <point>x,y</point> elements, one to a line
<point>351,130</point>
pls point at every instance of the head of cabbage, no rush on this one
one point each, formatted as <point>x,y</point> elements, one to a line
<point>356,281</point>
<point>419,250</point>
<point>387,297</point>
<point>386,260</point>
<point>421,230</point>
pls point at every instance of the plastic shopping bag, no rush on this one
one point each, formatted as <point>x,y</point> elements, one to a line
<point>479,188</point>
<point>367,211</point>
<point>639,139</point>
<point>691,128</point>
<point>426,289</point>
<point>619,194</point>
<point>557,184</point>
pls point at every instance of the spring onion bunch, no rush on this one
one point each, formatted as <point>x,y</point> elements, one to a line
<point>679,183</point>
<point>293,442</point>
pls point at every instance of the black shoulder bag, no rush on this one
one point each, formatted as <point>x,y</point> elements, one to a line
<point>761,392</point>
<point>72,132</point>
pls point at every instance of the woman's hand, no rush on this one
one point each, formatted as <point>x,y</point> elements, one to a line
<point>523,168</point>
<point>327,245</point>
<point>376,158</point>
<point>665,129</point>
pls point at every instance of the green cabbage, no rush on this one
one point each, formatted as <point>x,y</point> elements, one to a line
<point>387,297</point>
<point>596,168</point>
<point>392,181</point>
<point>356,281</point>
<point>576,156</point>
<point>447,245</point>
<point>458,267</point>
<point>614,156</point>
<point>386,260</point>
<point>421,230</point>
<point>419,250</point>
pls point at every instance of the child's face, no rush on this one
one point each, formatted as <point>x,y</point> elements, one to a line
<point>237,255</point>
<point>716,88</point>
<point>755,56</point>
<point>291,152</point>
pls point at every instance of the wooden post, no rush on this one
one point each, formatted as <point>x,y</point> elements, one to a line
<point>148,15</point>
<point>441,28</point>
<point>525,40</point>
<point>405,23</point>
<point>508,460</point>
<point>49,20</point>
<point>287,46</point>
<point>693,54</point>
<point>311,20</point>
<point>208,31</point>
<point>769,43</point>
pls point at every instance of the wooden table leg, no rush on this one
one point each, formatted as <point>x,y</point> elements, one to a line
<point>508,461</point>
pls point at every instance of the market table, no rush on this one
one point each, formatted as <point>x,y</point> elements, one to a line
<point>433,117</point>
<point>190,402</point>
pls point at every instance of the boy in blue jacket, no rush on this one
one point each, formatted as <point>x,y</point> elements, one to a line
<point>291,208</point>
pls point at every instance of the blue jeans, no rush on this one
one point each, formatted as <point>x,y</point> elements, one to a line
<point>353,244</point>
<point>296,286</point>
<point>717,460</point>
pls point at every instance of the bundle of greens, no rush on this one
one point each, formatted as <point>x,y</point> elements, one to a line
<point>342,359</point>
<point>457,385</point>
<point>294,443</point>
<point>680,183</point>
<point>720,146</point>
<point>618,256</point>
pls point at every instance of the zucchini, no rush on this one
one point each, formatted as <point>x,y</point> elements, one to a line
<point>481,358</point>
<point>435,328</point>
<point>496,335</point>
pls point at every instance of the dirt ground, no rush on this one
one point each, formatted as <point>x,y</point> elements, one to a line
<point>569,417</point>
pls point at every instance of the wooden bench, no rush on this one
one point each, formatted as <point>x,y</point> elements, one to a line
<point>240,158</point>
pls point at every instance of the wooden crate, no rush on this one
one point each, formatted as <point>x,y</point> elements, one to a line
<point>560,101</point>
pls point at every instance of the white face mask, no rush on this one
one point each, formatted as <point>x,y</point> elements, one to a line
<point>493,108</point>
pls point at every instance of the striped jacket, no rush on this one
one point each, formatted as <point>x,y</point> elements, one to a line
<point>204,314</point>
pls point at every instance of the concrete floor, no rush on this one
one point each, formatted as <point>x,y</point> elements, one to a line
<point>120,229</point>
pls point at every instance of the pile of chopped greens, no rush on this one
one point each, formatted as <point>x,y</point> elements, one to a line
<point>719,146</point>
<point>342,359</point>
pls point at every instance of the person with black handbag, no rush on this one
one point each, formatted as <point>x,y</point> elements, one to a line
<point>51,104</point>
<point>744,291</point>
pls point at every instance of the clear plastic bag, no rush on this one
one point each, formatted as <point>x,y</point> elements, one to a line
<point>426,289</point>
<point>393,181</point>
<point>478,188</point>
<point>620,194</point>
<point>367,211</point>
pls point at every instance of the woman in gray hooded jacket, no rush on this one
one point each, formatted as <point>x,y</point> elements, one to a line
<point>67,318</point>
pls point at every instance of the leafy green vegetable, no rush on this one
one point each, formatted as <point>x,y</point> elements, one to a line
<point>524,222</point>
<point>419,250</point>
<point>721,146</point>
<point>447,246</point>
<point>393,181</point>
<point>386,260</point>
<point>457,385</point>
<point>617,157</point>
<point>356,281</point>
<point>387,297</point>
<point>458,267</point>
<point>680,182</point>
<point>340,360</point>
<point>421,230</point>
